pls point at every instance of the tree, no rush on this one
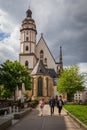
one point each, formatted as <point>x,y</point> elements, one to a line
<point>70,81</point>
<point>5,93</point>
<point>13,74</point>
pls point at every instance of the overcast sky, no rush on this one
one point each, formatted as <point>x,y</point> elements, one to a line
<point>62,22</point>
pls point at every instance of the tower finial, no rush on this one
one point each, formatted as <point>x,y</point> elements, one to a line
<point>29,13</point>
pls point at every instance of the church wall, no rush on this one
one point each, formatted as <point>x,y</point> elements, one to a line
<point>22,37</point>
<point>50,61</point>
<point>34,61</point>
<point>50,87</point>
<point>33,47</point>
<point>29,59</point>
<point>21,48</point>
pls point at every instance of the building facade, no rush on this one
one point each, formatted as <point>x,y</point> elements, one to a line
<point>38,58</point>
<point>81,96</point>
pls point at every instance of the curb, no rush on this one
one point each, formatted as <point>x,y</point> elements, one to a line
<point>5,123</point>
<point>83,126</point>
<point>21,114</point>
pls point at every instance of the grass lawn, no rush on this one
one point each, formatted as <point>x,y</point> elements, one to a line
<point>79,111</point>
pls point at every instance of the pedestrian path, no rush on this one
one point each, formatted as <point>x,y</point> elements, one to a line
<point>33,121</point>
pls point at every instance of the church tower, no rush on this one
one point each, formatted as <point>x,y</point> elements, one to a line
<point>28,33</point>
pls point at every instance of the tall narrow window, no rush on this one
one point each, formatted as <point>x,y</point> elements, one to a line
<point>27,33</point>
<point>41,55</point>
<point>47,86</point>
<point>26,38</point>
<point>45,60</point>
<point>32,86</point>
<point>40,86</point>
<point>26,63</point>
<point>26,48</point>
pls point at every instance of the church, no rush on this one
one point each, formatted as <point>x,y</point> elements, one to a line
<point>38,58</point>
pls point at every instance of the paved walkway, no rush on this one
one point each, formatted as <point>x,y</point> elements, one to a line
<point>33,121</point>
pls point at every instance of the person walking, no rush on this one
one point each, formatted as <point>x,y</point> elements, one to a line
<point>56,99</point>
<point>41,105</point>
<point>60,104</point>
<point>52,105</point>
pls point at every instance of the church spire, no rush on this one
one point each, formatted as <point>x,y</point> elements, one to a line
<point>60,54</point>
<point>61,62</point>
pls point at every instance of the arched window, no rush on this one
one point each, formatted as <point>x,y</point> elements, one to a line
<point>40,86</point>
<point>41,55</point>
<point>26,63</point>
<point>26,48</point>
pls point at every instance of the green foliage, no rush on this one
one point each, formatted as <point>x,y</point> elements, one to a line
<point>35,102</point>
<point>19,103</point>
<point>5,93</point>
<point>70,81</point>
<point>80,111</point>
<point>13,74</point>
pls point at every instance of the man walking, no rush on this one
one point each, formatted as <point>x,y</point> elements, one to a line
<point>52,105</point>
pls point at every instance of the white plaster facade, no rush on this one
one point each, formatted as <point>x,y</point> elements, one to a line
<point>81,96</point>
<point>51,63</point>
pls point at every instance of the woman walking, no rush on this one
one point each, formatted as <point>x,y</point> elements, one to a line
<point>41,105</point>
<point>60,104</point>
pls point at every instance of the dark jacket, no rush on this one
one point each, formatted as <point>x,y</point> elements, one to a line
<point>60,103</point>
<point>52,102</point>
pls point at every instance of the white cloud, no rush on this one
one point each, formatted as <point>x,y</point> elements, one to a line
<point>83,67</point>
<point>9,47</point>
<point>6,23</point>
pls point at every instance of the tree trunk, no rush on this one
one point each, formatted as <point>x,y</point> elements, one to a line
<point>14,96</point>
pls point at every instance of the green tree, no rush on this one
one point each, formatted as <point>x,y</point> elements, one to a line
<point>13,74</point>
<point>5,93</point>
<point>70,81</point>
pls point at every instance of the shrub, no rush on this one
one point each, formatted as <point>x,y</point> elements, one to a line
<point>35,102</point>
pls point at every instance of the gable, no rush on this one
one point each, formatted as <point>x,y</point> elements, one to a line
<point>51,63</point>
<point>39,69</point>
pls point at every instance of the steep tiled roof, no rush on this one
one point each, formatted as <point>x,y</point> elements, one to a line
<point>39,69</point>
<point>52,73</point>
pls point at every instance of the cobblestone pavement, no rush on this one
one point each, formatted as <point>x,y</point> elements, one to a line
<point>33,121</point>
